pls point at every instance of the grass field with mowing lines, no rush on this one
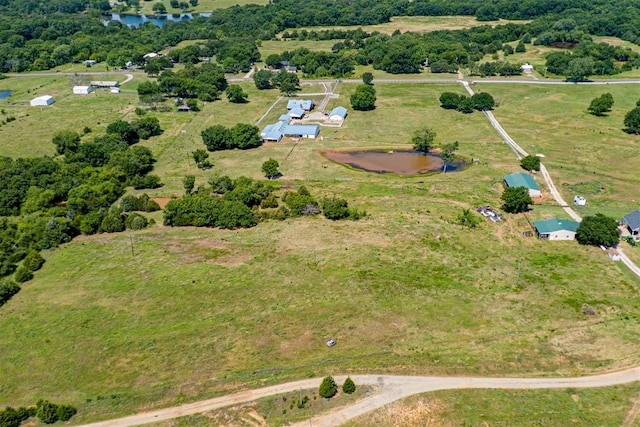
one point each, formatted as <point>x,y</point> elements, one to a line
<point>576,407</point>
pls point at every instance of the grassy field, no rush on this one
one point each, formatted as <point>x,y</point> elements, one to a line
<point>587,155</point>
<point>278,46</point>
<point>200,312</point>
<point>146,7</point>
<point>575,407</point>
<point>418,24</point>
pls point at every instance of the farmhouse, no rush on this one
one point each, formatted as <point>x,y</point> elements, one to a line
<point>521,179</point>
<point>296,113</point>
<point>42,101</point>
<point>82,90</point>
<point>556,229</point>
<point>276,131</point>
<point>305,104</point>
<point>338,114</point>
<point>632,222</point>
<point>105,84</point>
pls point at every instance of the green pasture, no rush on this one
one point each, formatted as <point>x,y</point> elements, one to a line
<point>586,155</point>
<point>417,24</point>
<point>194,313</point>
<point>278,46</point>
<point>611,406</point>
<point>146,7</point>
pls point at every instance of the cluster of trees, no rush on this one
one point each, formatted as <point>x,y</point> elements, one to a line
<point>242,136</point>
<point>204,82</point>
<point>328,387</point>
<point>500,68</point>
<point>480,101</point>
<point>601,104</point>
<point>598,230</point>
<point>45,411</point>
<point>315,64</point>
<point>364,98</point>
<point>288,83</point>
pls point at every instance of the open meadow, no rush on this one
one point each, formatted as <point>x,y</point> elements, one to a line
<point>146,7</point>
<point>191,313</point>
<point>575,407</point>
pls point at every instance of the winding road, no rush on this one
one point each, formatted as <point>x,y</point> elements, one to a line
<point>390,388</point>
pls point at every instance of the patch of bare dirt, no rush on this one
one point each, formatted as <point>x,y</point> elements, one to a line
<point>237,416</point>
<point>162,201</point>
<point>422,413</point>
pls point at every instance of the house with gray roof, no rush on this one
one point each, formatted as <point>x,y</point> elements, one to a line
<point>632,222</point>
<point>305,104</point>
<point>525,180</point>
<point>296,113</point>
<point>556,229</point>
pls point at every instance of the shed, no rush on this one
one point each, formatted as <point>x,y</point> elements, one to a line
<point>556,229</point>
<point>632,222</point>
<point>103,84</point>
<point>184,108</point>
<point>42,101</point>
<point>579,200</point>
<point>82,90</point>
<point>88,62</point>
<point>521,179</point>
<point>305,104</point>
<point>296,113</point>
<point>526,68</point>
<point>114,90</point>
<point>338,114</point>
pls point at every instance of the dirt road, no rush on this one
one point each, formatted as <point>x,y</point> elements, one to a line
<point>389,388</point>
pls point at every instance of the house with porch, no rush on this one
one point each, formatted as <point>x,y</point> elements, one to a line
<point>556,229</point>
<point>632,222</point>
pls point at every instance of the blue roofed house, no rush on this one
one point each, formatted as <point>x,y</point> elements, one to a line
<point>525,180</point>
<point>632,222</point>
<point>296,113</point>
<point>556,229</point>
<point>305,104</point>
<point>273,132</point>
<point>338,114</point>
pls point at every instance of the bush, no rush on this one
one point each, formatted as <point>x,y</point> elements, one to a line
<point>335,209</point>
<point>9,417</point>
<point>90,223</point>
<point>349,387</point>
<point>269,202</point>
<point>112,223</point>
<point>65,412</point>
<point>135,221</point>
<point>530,163</point>
<point>301,202</point>
<point>23,274</point>
<point>33,261</point>
<point>47,412</point>
<point>328,388</point>
<point>8,288</point>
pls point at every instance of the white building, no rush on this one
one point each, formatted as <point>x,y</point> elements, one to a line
<point>556,229</point>
<point>338,114</point>
<point>42,101</point>
<point>579,200</point>
<point>526,68</point>
<point>82,90</point>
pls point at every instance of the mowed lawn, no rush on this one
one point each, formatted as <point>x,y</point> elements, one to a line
<point>197,312</point>
<point>586,155</point>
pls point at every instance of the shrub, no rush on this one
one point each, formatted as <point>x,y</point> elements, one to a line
<point>65,412</point>
<point>33,261</point>
<point>301,202</point>
<point>8,288</point>
<point>9,417</point>
<point>335,209</point>
<point>112,223</point>
<point>23,274</point>
<point>135,221</point>
<point>269,202</point>
<point>530,163</point>
<point>328,388</point>
<point>349,386</point>
<point>47,412</point>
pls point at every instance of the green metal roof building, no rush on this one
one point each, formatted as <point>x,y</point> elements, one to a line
<point>525,180</point>
<point>556,229</point>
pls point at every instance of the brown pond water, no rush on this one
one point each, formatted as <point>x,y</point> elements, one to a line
<point>398,162</point>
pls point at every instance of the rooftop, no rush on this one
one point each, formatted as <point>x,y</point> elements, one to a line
<point>339,111</point>
<point>633,220</point>
<point>521,179</point>
<point>305,104</point>
<point>555,224</point>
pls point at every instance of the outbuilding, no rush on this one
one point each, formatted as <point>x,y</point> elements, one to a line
<point>105,84</point>
<point>82,90</point>
<point>579,201</point>
<point>556,229</point>
<point>338,114</point>
<point>42,101</point>
<point>526,68</point>
<point>296,113</point>
<point>521,179</point>
<point>632,222</point>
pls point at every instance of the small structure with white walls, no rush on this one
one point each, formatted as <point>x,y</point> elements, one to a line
<point>42,101</point>
<point>82,90</point>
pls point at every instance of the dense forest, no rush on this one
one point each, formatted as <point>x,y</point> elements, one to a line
<point>40,35</point>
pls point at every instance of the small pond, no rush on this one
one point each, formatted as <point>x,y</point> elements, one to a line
<point>5,94</point>
<point>397,162</point>
<point>160,20</point>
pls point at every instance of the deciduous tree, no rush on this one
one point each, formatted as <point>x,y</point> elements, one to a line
<point>601,104</point>
<point>530,163</point>
<point>270,169</point>
<point>598,230</point>
<point>516,199</point>
<point>423,138</point>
